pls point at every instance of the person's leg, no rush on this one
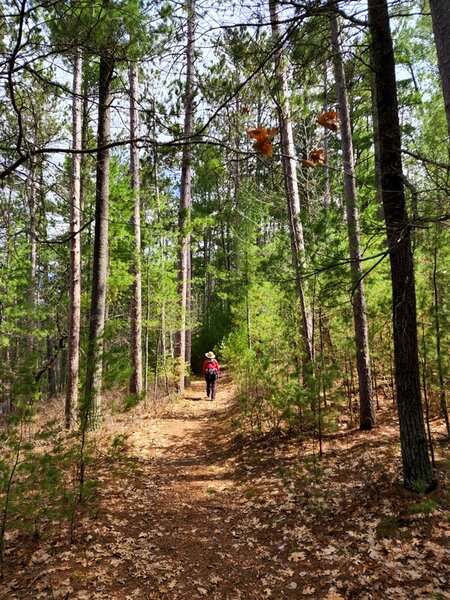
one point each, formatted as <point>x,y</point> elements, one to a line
<point>208,388</point>
<point>213,389</point>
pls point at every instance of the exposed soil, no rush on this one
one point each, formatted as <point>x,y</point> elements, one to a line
<point>188,509</point>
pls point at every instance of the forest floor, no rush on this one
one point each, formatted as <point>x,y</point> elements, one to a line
<point>188,509</point>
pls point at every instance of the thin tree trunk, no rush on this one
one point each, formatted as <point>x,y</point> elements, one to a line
<point>6,369</point>
<point>425,394</point>
<point>136,288</point>
<point>75,250</point>
<point>437,323</point>
<point>417,471</point>
<point>31,185</point>
<point>206,281</point>
<point>51,379</point>
<point>291,185</point>
<point>367,409</point>
<point>185,198</point>
<point>326,168</point>
<point>91,413</point>
<point>189,306</point>
<point>440,15</point>
<point>247,302</point>
<point>147,330</point>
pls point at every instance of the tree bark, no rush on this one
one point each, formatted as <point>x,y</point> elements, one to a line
<point>33,287</point>
<point>440,15</point>
<point>325,167</point>
<point>291,184</point>
<point>6,366</point>
<point>136,288</point>
<point>366,409</point>
<point>185,200</point>
<point>75,250</point>
<point>417,471</point>
<point>437,324</point>
<point>91,412</point>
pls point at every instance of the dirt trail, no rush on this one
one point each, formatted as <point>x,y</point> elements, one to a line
<point>179,528</point>
<point>186,511</point>
<point>191,541</point>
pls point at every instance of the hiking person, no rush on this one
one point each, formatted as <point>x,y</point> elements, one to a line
<point>210,372</point>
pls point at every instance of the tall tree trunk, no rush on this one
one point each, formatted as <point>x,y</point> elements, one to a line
<point>32,194</point>
<point>51,375</point>
<point>91,412</point>
<point>417,471</point>
<point>326,168</point>
<point>437,324</point>
<point>136,289</point>
<point>291,184</point>
<point>367,409</point>
<point>440,14</point>
<point>189,317</point>
<point>6,366</point>
<point>75,250</point>
<point>185,198</point>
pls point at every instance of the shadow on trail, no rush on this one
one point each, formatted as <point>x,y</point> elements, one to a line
<point>214,441</point>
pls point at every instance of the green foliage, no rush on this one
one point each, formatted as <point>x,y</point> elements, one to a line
<point>39,474</point>
<point>119,443</point>
<point>131,400</point>
<point>116,28</point>
<point>425,507</point>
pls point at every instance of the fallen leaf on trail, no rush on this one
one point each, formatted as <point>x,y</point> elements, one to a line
<point>308,591</point>
<point>82,595</point>
<point>40,557</point>
<point>202,591</point>
<point>296,556</point>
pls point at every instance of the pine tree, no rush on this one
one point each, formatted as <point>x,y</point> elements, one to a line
<point>75,248</point>
<point>184,344</point>
<point>291,185</point>
<point>367,409</point>
<point>92,400</point>
<point>417,471</point>
<point>440,13</point>
<point>136,289</point>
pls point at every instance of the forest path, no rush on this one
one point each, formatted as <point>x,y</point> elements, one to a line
<point>187,509</point>
<point>180,528</point>
<point>188,535</point>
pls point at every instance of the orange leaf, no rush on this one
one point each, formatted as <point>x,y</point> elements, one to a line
<point>329,120</point>
<point>308,163</point>
<point>263,137</point>
<point>263,146</point>
<point>316,156</point>
<point>256,133</point>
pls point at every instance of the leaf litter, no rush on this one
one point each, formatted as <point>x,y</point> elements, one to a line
<point>191,510</point>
